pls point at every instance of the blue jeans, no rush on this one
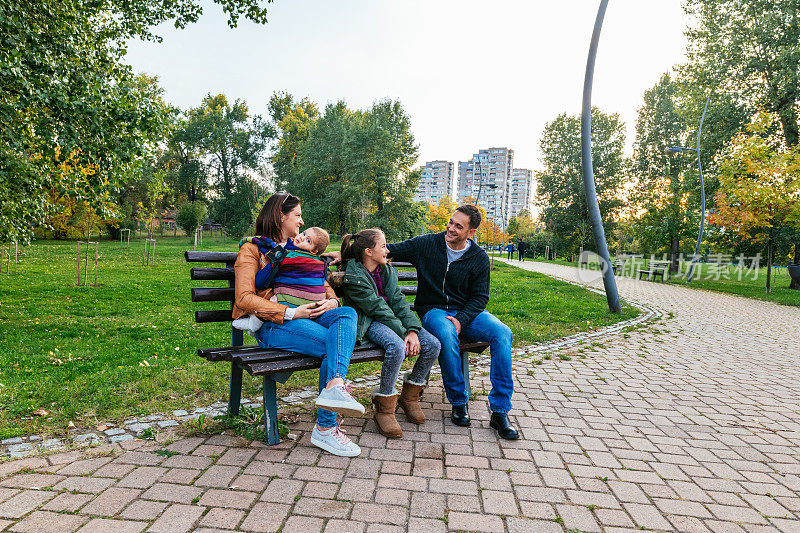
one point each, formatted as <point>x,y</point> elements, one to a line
<point>331,337</point>
<point>395,348</point>
<point>484,328</point>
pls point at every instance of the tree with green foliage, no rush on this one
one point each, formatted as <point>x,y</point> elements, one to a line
<point>748,53</point>
<point>750,48</point>
<point>239,210</point>
<point>385,153</point>
<point>353,169</point>
<point>233,145</point>
<point>561,191</point>
<point>331,198</point>
<point>152,207</point>
<point>186,171</point>
<point>293,121</point>
<point>65,89</point>
<point>661,189</point>
<point>759,190</point>
<point>522,226</point>
<point>191,215</point>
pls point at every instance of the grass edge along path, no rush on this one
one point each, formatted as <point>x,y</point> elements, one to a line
<point>128,347</point>
<point>727,279</point>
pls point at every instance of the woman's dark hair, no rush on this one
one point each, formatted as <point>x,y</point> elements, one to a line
<point>268,221</point>
<point>473,213</point>
<point>353,245</point>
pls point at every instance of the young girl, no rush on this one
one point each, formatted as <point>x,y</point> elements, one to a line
<point>370,286</point>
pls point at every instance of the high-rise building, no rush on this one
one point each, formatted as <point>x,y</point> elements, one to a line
<point>487,179</point>
<point>436,182</point>
<point>521,191</point>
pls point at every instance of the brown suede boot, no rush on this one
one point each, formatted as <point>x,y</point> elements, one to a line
<point>384,416</point>
<point>409,402</point>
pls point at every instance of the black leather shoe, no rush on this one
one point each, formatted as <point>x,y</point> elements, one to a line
<point>461,415</point>
<point>499,421</point>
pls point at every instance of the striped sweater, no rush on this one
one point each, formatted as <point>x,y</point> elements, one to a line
<point>300,279</point>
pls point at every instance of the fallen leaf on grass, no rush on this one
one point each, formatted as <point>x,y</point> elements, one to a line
<point>101,427</point>
<point>40,412</point>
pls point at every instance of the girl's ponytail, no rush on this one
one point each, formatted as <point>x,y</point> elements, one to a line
<point>347,250</point>
<point>353,245</point>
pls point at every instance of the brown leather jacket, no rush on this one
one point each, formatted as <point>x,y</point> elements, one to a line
<point>249,301</point>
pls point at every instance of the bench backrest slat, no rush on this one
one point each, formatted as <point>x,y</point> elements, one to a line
<point>213,294</point>
<point>195,256</point>
<point>222,315</point>
<point>210,274</point>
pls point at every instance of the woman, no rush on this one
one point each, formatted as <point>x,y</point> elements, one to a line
<point>321,329</point>
<point>370,285</point>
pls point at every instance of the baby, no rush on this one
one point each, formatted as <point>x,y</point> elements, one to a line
<point>314,240</point>
<point>300,278</point>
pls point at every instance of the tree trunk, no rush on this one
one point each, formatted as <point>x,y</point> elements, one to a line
<point>793,284</point>
<point>788,118</point>
<point>674,250</point>
<point>769,264</point>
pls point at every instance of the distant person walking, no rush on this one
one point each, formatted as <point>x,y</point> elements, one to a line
<point>510,249</point>
<point>522,248</point>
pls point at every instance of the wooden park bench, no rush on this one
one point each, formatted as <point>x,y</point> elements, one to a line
<point>618,265</point>
<point>275,366</point>
<point>656,268</point>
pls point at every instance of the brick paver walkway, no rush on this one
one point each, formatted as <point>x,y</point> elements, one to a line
<point>688,424</point>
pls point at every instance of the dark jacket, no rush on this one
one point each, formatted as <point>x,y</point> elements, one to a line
<point>360,292</point>
<point>463,286</point>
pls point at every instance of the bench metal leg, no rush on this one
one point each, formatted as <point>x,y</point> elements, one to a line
<point>235,394</point>
<point>271,410</point>
<point>465,372</point>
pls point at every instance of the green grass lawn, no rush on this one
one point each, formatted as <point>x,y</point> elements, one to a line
<point>128,347</point>
<point>751,284</point>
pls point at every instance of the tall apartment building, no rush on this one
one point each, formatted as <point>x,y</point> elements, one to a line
<point>437,181</point>
<point>521,191</point>
<point>487,178</point>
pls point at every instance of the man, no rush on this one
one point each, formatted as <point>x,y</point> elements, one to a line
<point>522,248</point>
<point>453,291</point>
<point>510,250</point>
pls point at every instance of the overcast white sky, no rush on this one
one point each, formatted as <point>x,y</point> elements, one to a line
<point>470,74</point>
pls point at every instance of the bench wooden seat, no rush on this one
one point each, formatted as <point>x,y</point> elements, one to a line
<point>618,265</point>
<point>654,269</point>
<point>275,366</point>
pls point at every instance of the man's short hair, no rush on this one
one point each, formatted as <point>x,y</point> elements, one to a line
<point>473,213</point>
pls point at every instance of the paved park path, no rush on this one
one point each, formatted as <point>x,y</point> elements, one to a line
<point>690,423</point>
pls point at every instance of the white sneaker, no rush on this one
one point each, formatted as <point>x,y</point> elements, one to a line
<point>334,441</point>
<point>338,400</point>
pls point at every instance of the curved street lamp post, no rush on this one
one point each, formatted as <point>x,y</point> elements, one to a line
<point>680,149</point>
<point>612,294</point>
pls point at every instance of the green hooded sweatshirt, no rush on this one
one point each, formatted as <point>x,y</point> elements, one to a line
<point>361,293</point>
